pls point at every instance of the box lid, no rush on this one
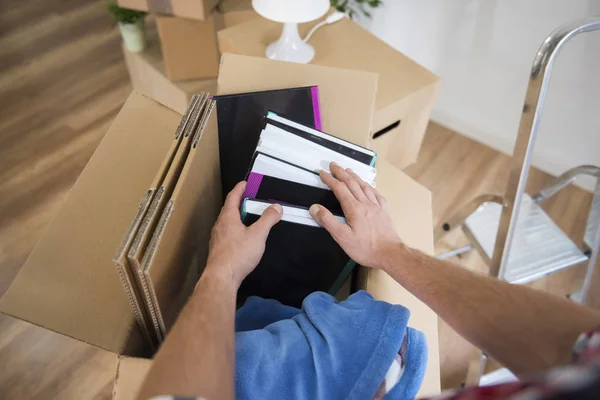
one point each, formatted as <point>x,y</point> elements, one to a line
<point>344,44</point>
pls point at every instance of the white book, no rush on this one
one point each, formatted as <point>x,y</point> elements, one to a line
<point>273,116</point>
<point>290,214</point>
<point>278,143</point>
<point>269,166</point>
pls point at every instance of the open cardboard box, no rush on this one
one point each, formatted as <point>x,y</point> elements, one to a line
<point>69,283</point>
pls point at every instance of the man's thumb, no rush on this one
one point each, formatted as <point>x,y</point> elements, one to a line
<point>325,218</point>
<point>269,217</point>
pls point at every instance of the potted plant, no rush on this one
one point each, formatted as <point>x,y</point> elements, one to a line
<point>131,25</point>
<point>355,7</point>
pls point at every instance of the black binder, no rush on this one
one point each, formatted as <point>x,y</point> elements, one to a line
<point>241,117</point>
<point>300,258</point>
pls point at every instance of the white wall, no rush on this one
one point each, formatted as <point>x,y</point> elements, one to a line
<point>483,51</point>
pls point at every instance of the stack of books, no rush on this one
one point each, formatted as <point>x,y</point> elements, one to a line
<point>272,140</point>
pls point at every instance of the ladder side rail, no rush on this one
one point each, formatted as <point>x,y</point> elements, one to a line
<point>528,130</point>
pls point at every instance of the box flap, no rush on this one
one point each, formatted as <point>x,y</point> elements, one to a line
<point>179,246</point>
<point>346,97</point>
<point>409,204</point>
<point>131,372</point>
<point>69,283</point>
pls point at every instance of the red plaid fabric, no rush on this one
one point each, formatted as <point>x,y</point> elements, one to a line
<point>578,380</point>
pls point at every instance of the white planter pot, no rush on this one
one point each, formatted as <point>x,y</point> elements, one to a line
<point>133,36</point>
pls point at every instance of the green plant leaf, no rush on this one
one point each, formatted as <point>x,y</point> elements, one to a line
<point>124,15</point>
<point>355,7</point>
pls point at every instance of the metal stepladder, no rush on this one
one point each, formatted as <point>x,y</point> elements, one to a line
<point>516,238</point>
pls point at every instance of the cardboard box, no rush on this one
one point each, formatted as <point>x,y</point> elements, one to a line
<point>130,375</point>
<point>193,9</point>
<point>406,91</point>
<point>236,12</point>
<point>69,283</point>
<point>189,47</point>
<point>148,77</point>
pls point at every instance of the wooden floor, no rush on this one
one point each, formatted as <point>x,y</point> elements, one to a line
<point>62,80</point>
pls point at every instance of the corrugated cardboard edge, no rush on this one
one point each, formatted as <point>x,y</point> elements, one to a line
<point>152,217</point>
<point>209,110</point>
<point>142,237</point>
<point>131,290</point>
<point>158,232</point>
<point>148,260</point>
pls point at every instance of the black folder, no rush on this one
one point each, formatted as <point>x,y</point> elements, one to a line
<point>240,120</point>
<point>285,191</point>
<point>299,259</point>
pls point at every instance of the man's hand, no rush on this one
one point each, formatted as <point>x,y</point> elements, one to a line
<point>368,237</point>
<point>236,249</point>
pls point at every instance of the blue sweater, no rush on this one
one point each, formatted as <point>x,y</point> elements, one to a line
<point>326,350</point>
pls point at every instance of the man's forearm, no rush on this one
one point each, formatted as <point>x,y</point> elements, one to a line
<point>197,358</point>
<point>522,328</point>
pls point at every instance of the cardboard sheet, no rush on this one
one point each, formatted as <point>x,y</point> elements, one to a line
<point>69,283</point>
<point>141,245</point>
<point>346,97</point>
<point>129,270</point>
<point>179,246</point>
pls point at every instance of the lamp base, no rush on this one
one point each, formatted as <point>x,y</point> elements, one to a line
<point>290,47</point>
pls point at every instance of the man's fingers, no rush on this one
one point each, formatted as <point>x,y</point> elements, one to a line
<point>343,176</point>
<point>267,220</point>
<point>381,200</point>
<point>339,189</point>
<point>367,189</point>
<point>325,218</point>
<point>234,198</point>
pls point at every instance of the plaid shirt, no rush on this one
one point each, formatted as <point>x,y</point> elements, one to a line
<point>578,380</point>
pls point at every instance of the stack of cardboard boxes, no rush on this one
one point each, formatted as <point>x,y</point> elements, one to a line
<point>183,59</point>
<point>182,56</point>
<point>406,91</point>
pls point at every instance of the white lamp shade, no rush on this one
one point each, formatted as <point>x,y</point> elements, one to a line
<point>291,11</point>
